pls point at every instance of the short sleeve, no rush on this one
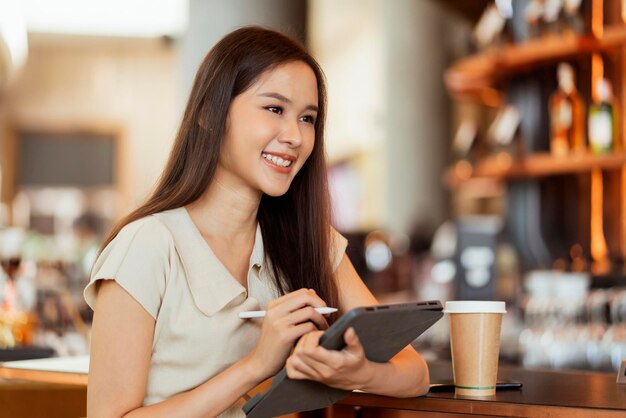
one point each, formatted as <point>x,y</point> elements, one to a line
<point>338,247</point>
<point>138,260</point>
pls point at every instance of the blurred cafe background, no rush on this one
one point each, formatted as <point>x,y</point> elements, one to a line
<point>476,151</point>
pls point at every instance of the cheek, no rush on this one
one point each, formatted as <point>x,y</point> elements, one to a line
<point>252,130</point>
<point>260,132</point>
<point>247,141</point>
<point>310,144</point>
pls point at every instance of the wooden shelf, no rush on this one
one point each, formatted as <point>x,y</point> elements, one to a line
<point>503,167</point>
<point>474,75</point>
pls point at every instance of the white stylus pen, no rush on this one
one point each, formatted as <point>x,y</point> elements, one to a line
<point>261,314</point>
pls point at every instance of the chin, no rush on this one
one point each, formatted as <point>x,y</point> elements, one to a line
<point>275,192</point>
<point>275,189</point>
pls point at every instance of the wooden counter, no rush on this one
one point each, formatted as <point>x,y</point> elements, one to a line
<point>545,393</point>
<point>24,399</point>
<point>51,388</point>
<point>61,370</point>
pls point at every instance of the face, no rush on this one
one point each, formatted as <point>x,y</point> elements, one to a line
<point>270,130</point>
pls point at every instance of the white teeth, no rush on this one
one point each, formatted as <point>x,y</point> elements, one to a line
<point>277,160</point>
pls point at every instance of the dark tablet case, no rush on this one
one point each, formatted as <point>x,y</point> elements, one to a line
<point>383,331</point>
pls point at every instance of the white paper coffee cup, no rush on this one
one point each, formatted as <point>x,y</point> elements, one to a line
<point>474,306</point>
<point>475,343</point>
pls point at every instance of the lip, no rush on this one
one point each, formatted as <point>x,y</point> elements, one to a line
<point>281,155</point>
<point>282,170</point>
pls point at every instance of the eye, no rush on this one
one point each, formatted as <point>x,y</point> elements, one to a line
<point>275,109</point>
<point>308,119</point>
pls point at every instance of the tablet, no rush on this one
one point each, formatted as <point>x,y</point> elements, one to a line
<point>383,330</point>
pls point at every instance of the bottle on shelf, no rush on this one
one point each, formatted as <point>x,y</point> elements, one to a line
<point>533,14</point>
<point>504,136</point>
<point>573,20</point>
<point>551,16</point>
<point>566,115</point>
<point>465,139</point>
<point>488,31</point>
<point>463,147</point>
<point>602,123</point>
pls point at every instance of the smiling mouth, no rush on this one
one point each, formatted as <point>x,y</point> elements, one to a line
<point>279,162</point>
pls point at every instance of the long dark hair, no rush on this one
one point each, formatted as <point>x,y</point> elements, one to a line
<point>296,225</point>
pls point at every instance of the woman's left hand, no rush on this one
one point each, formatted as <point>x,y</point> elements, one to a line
<point>346,369</point>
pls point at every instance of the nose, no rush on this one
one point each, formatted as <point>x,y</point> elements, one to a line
<point>291,134</point>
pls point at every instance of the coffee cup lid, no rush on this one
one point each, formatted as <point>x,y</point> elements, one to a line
<point>474,306</point>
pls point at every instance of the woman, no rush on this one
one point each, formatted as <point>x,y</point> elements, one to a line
<point>239,221</point>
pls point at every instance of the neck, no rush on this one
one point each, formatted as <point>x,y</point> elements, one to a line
<point>226,210</point>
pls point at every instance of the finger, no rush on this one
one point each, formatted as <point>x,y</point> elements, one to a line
<point>299,330</point>
<point>321,355</point>
<point>295,374</point>
<point>301,343</point>
<point>313,340</point>
<point>291,295</point>
<point>313,369</point>
<point>307,314</point>
<point>311,366</point>
<point>310,348</point>
<point>353,344</point>
<point>308,341</point>
<point>299,299</point>
<point>273,304</point>
<point>297,370</point>
<point>350,337</point>
<point>294,294</point>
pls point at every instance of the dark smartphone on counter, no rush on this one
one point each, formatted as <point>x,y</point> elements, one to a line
<point>448,386</point>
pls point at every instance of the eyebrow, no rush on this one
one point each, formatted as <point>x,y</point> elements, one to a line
<point>284,99</point>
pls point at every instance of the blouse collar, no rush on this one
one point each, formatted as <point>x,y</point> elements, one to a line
<point>212,286</point>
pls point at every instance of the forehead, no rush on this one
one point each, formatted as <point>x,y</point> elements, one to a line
<point>295,80</point>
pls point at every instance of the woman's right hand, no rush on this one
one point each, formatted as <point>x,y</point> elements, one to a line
<point>287,319</point>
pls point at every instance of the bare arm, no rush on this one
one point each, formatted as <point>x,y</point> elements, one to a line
<point>120,359</point>
<point>405,375</point>
<point>121,350</point>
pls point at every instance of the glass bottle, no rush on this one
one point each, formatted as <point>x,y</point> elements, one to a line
<point>602,119</point>
<point>532,17</point>
<point>566,115</point>
<point>573,18</point>
<point>551,16</point>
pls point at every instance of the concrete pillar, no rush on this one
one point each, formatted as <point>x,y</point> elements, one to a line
<point>417,114</point>
<point>388,109</point>
<point>210,20</point>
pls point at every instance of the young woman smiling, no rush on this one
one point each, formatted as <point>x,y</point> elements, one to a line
<point>239,221</point>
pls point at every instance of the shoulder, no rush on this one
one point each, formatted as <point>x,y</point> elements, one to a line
<point>338,245</point>
<point>336,238</point>
<point>149,228</point>
<point>144,239</point>
<point>148,232</point>
<point>139,259</point>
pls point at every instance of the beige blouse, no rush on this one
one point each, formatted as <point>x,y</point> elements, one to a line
<point>165,264</point>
